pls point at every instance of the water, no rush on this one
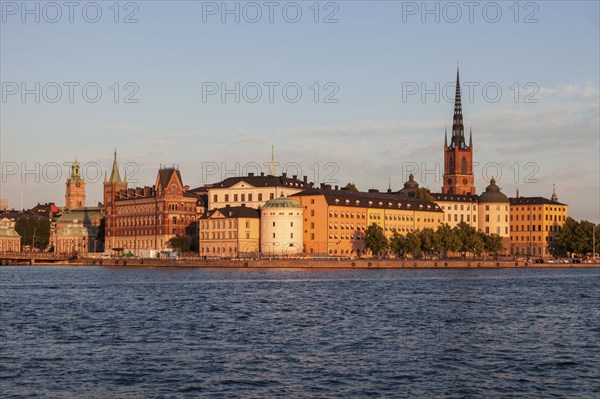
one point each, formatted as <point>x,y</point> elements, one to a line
<point>144,332</point>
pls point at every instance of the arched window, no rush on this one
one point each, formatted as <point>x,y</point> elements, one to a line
<point>451,167</point>
<point>463,166</point>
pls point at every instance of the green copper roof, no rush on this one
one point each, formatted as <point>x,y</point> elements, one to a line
<point>281,202</point>
<point>5,231</point>
<point>74,229</point>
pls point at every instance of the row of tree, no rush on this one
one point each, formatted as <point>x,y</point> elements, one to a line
<point>428,242</point>
<point>577,237</point>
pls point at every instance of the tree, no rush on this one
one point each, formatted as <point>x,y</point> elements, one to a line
<point>413,242</point>
<point>102,231</point>
<point>423,194</point>
<point>351,187</point>
<point>180,243</point>
<point>32,228</point>
<point>375,239</point>
<point>492,243</point>
<point>566,237</point>
<point>430,242</point>
<point>448,239</point>
<point>398,243</point>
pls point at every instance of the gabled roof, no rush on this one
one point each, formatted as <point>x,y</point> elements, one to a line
<point>165,175</point>
<point>533,201</point>
<point>234,212</point>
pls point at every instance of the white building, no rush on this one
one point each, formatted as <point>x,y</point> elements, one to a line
<point>281,227</point>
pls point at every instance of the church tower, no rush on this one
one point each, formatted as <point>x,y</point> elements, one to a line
<point>458,157</point>
<point>112,186</point>
<point>75,194</point>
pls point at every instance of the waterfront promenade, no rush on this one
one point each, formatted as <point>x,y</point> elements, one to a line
<point>310,263</point>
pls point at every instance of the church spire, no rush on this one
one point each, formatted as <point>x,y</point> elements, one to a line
<point>445,136</point>
<point>458,129</point>
<point>554,197</point>
<point>470,136</point>
<point>114,174</point>
<point>272,171</point>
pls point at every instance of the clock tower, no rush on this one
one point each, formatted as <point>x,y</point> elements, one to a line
<point>75,195</point>
<point>458,156</point>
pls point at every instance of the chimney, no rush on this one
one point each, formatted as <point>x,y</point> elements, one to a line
<point>305,179</point>
<point>251,174</point>
<point>262,173</point>
<point>517,192</point>
<point>328,186</point>
<point>294,177</point>
<point>186,188</point>
<point>336,188</point>
<point>284,174</point>
<point>373,190</point>
<point>322,185</point>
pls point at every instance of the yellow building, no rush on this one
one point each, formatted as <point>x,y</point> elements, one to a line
<point>535,223</point>
<point>252,191</point>
<point>335,221</point>
<point>457,207</point>
<point>494,213</point>
<point>10,240</point>
<point>230,232</point>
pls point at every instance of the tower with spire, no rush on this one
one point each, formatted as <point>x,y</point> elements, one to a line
<point>75,192</point>
<point>458,156</point>
<point>112,186</point>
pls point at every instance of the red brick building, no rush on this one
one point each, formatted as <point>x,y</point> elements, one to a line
<point>146,218</point>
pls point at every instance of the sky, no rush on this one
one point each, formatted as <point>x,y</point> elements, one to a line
<point>346,91</point>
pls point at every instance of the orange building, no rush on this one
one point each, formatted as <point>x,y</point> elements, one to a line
<point>535,223</point>
<point>335,221</point>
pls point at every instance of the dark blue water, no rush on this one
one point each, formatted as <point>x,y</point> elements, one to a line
<point>143,332</point>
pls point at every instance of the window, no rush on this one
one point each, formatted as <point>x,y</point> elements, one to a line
<point>487,230</point>
<point>215,198</point>
<point>243,197</point>
<point>487,218</point>
<point>291,224</point>
<point>312,212</point>
<point>247,235</point>
<point>249,197</point>
<point>312,200</point>
<point>174,219</point>
<point>271,196</point>
<point>226,197</point>
<point>273,235</point>
<point>273,224</point>
<point>235,198</point>
<point>247,224</point>
<point>260,196</point>
<point>291,235</point>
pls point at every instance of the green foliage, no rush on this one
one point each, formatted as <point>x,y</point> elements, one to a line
<point>102,230</point>
<point>351,187</point>
<point>576,237</point>
<point>181,243</point>
<point>32,227</point>
<point>423,194</point>
<point>492,243</point>
<point>375,240</point>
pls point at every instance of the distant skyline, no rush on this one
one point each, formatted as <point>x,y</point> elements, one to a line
<point>370,61</point>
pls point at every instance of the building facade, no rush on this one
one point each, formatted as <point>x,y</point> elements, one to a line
<point>146,218</point>
<point>72,240</point>
<point>335,221</point>
<point>230,232</point>
<point>252,191</point>
<point>10,240</point>
<point>281,232</point>
<point>75,192</point>
<point>535,223</point>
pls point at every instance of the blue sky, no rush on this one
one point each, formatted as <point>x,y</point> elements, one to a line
<point>373,53</point>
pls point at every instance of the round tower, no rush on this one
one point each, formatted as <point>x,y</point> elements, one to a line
<point>281,227</point>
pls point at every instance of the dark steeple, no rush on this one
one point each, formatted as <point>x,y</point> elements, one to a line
<point>470,137</point>
<point>445,137</point>
<point>458,129</point>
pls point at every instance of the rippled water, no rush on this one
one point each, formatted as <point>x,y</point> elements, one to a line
<point>144,332</point>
